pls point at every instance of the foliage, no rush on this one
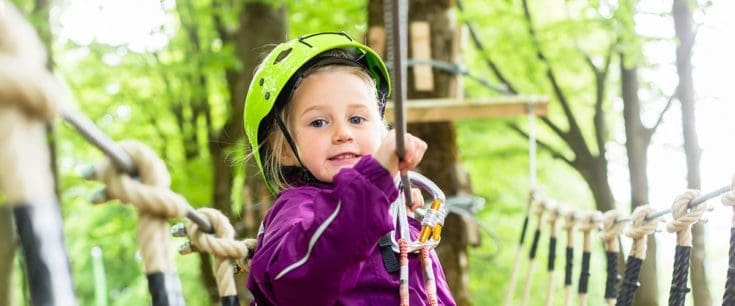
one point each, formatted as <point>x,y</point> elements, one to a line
<point>152,96</point>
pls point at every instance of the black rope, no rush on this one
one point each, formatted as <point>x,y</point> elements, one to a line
<point>679,290</point>
<point>534,245</point>
<point>584,273</point>
<point>630,281</point>
<point>613,277</point>
<point>568,267</point>
<point>524,230</point>
<point>165,289</point>
<point>230,300</point>
<point>40,233</point>
<point>729,295</point>
<point>552,254</point>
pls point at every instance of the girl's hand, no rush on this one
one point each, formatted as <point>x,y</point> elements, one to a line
<point>417,199</point>
<point>414,149</point>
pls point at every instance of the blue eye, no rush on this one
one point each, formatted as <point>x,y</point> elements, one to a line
<point>357,120</point>
<point>318,123</point>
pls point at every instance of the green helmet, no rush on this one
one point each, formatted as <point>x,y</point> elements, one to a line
<point>273,82</point>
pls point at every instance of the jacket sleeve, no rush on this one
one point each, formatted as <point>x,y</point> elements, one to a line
<point>315,245</point>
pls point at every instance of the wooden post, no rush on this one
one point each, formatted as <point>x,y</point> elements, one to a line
<point>440,163</point>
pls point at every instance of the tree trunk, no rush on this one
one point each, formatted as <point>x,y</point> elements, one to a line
<point>440,163</point>
<point>249,50</point>
<point>249,40</point>
<point>682,11</point>
<point>637,141</point>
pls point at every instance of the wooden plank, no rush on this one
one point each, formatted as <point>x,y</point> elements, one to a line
<point>376,40</point>
<point>423,76</point>
<point>434,110</point>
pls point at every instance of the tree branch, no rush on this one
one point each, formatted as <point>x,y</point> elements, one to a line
<point>599,116</point>
<point>580,147</point>
<point>554,153</point>
<point>488,61</point>
<point>661,115</point>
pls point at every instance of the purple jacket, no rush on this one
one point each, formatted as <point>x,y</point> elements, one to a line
<point>319,245</point>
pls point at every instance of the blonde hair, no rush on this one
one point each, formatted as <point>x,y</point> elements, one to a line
<point>276,145</point>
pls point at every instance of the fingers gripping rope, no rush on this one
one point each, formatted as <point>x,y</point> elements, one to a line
<point>228,253</point>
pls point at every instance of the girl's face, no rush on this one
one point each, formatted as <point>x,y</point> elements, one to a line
<point>335,120</point>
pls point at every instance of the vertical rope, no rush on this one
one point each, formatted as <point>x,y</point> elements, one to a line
<point>403,282</point>
<point>540,209</point>
<point>429,281</point>
<point>586,225</point>
<point>638,230</point>
<point>517,258</point>
<point>569,224</point>
<point>683,218</point>
<point>728,297</point>
<point>30,97</point>
<point>611,230</point>
<point>229,254</point>
<point>155,203</point>
<point>552,219</point>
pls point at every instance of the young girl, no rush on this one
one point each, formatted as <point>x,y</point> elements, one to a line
<point>314,119</point>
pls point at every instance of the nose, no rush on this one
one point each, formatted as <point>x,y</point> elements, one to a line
<point>342,133</point>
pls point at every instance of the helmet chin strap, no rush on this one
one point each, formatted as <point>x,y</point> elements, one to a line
<point>289,139</point>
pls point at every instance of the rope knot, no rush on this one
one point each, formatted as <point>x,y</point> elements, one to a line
<point>228,252</point>
<point>611,230</point>
<point>554,211</point>
<point>26,82</point>
<point>222,242</point>
<point>684,217</point>
<point>570,220</point>
<point>639,228</point>
<point>588,221</point>
<point>728,199</point>
<point>150,193</point>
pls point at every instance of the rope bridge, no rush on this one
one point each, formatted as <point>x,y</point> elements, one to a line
<point>31,98</point>
<point>685,210</point>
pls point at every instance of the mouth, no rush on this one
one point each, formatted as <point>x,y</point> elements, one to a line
<point>344,156</point>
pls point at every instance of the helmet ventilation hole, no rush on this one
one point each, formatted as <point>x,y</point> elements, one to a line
<point>281,56</point>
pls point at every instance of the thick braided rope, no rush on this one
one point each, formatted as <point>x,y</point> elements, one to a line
<point>610,234</point>
<point>611,230</point>
<point>29,97</point>
<point>222,245</point>
<point>552,218</point>
<point>26,83</point>
<point>728,199</point>
<point>539,210</point>
<point>570,222</point>
<point>683,217</point>
<point>588,222</point>
<point>152,197</point>
<point>638,230</point>
<point>728,297</point>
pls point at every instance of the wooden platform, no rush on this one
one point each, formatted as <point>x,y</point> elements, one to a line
<point>433,110</point>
